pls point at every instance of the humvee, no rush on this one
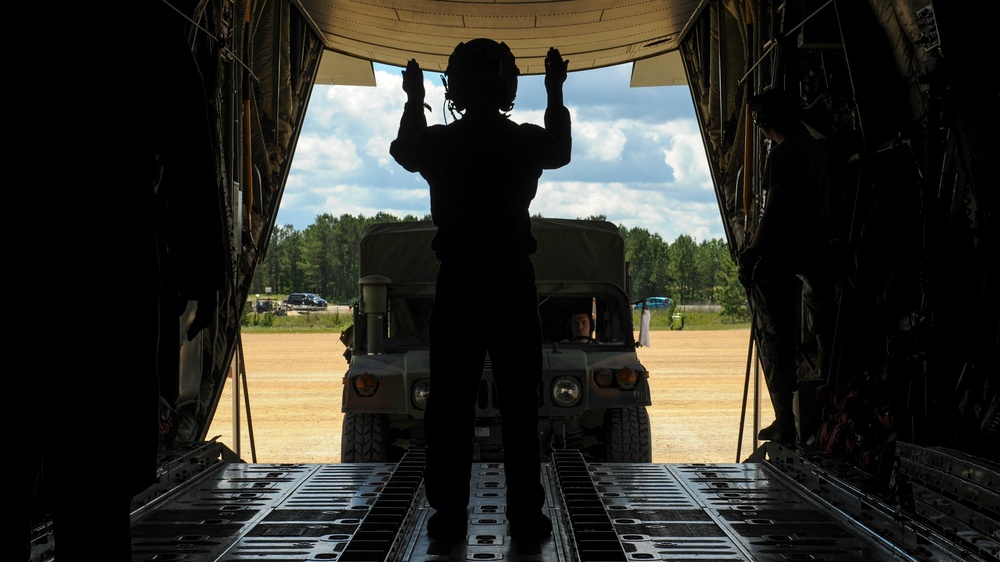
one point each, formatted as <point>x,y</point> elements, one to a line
<point>593,395</point>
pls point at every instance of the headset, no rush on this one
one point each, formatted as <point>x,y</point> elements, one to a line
<point>483,69</point>
<point>774,108</point>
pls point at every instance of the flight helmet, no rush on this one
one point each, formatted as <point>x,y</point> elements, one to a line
<point>775,108</point>
<point>481,71</point>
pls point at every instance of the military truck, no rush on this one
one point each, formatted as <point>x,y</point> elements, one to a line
<point>593,395</point>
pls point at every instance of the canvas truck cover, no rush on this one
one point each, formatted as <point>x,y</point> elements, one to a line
<point>569,250</point>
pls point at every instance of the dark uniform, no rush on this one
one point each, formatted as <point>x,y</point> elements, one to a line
<point>483,172</point>
<point>791,256</point>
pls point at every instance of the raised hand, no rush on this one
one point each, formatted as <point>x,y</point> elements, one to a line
<point>413,82</point>
<point>555,69</point>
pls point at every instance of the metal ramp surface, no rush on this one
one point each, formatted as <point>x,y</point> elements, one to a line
<point>600,513</point>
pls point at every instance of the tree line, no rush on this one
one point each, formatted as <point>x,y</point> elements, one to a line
<point>323,259</point>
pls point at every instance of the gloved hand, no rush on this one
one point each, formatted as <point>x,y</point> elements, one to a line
<point>746,263</point>
<point>413,82</point>
<point>555,70</point>
<point>745,275</point>
<point>208,308</point>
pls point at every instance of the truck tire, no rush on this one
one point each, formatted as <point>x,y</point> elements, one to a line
<point>365,438</point>
<point>627,436</point>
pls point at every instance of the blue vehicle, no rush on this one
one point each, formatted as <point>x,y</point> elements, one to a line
<point>655,303</point>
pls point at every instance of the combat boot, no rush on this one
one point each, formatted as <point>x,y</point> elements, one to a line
<point>783,428</point>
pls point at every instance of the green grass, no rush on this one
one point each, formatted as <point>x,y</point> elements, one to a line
<point>318,322</point>
<point>693,320</point>
<point>337,322</point>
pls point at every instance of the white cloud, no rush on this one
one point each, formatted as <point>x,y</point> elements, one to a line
<point>603,141</point>
<point>646,171</point>
<point>685,154</point>
<point>630,205</point>
<point>326,154</point>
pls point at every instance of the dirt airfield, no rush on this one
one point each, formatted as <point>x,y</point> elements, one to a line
<point>293,385</point>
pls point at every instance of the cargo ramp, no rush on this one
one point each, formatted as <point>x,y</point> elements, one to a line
<point>790,504</point>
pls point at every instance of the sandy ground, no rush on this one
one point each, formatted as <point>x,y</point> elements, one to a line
<point>293,388</point>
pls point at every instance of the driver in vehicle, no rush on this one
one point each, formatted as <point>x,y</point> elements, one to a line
<point>580,328</point>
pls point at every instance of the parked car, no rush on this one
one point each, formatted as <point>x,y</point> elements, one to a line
<point>306,300</point>
<point>655,303</point>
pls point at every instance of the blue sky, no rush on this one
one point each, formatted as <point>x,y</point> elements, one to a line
<point>637,154</point>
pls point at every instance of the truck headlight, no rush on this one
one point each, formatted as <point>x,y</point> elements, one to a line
<point>566,391</point>
<point>625,378</point>
<point>604,377</point>
<point>365,384</point>
<point>420,392</point>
